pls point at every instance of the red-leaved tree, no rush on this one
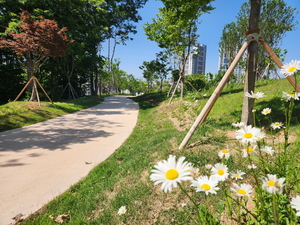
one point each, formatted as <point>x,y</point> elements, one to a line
<point>36,41</point>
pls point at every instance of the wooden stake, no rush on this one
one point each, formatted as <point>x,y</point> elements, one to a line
<point>213,98</point>
<point>279,63</point>
<point>43,90</point>
<point>36,91</point>
<point>175,90</point>
<point>31,78</point>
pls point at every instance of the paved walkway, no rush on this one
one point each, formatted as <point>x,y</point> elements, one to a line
<point>41,161</point>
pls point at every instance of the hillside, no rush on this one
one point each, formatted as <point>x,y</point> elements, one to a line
<point>123,179</point>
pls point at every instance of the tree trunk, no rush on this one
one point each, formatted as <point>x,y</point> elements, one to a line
<point>248,103</point>
<point>30,72</point>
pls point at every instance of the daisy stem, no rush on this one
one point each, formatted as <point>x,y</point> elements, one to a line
<point>185,192</point>
<point>192,200</point>
<point>238,202</point>
<point>254,122</point>
<point>275,210</point>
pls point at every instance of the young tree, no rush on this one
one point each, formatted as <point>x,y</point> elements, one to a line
<point>276,19</point>
<point>162,67</point>
<point>149,73</point>
<point>36,40</point>
<point>175,27</point>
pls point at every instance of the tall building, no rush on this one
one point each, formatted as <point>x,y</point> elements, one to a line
<point>239,70</point>
<point>196,60</point>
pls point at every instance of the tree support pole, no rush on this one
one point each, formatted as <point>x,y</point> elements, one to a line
<point>35,91</point>
<point>31,78</point>
<point>180,77</point>
<point>213,98</point>
<point>279,63</point>
<point>194,88</point>
<point>43,90</point>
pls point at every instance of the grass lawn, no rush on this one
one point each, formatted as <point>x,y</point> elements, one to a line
<point>123,179</point>
<point>23,113</point>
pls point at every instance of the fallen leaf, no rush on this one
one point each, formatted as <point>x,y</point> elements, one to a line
<point>18,217</point>
<point>60,218</point>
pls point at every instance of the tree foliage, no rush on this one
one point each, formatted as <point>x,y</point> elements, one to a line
<point>89,23</point>
<point>175,27</point>
<point>36,40</point>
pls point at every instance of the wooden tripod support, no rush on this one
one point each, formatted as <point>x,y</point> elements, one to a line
<point>213,98</point>
<point>71,89</point>
<point>34,90</point>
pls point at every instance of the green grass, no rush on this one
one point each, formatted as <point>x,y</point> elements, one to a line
<point>123,179</point>
<point>21,113</point>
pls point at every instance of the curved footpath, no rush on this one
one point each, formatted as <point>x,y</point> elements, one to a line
<point>41,161</point>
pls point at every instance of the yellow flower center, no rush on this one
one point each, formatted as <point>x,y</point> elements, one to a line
<point>248,135</point>
<point>236,175</point>
<point>224,151</point>
<point>241,192</point>
<point>292,95</point>
<point>267,151</point>
<point>266,111</point>
<point>172,174</point>
<point>249,150</point>
<point>221,172</point>
<point>292,69</point>
<point>271,183</point>
<point>206,187</point>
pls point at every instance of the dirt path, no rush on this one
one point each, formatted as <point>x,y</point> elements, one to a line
<point>40,161</point>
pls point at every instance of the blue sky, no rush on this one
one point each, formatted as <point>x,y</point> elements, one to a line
<point>210,29</point>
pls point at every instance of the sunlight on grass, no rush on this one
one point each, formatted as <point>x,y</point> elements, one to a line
<point>124,178</point>
<point>19,114</point>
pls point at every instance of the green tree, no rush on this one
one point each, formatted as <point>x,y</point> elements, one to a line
<point>36,41</point>
<point>175,27</point>
<point>89,22</point>
<point>150,73</point>
<point>162,68</point>
<point>276,19</point>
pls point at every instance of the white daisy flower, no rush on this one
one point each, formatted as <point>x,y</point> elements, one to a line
<point>249,151</point>
<point>206,184</point>
<point>288,96</point>
<point>251,167</point>
<point>238,124</point>
<point>271,184</point>
<point>208,166</point>
<point>242,190</point>
<point>268,150</point>
<point>266,111</point>
<point>194,171</point>
<point>260,135</point>
<point>220,171</point>
<point>255,95</point>
<point>237,175</point>
<point>295,204</point>
<point>122,210</point>
<point>169,173</point>
<point>276,125</point>
<point>290,68</point>
<point>249,134</point>
<point>224,153</point>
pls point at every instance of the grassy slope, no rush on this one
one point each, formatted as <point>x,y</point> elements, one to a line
<point>19,114</point>
<point>123,179</point>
